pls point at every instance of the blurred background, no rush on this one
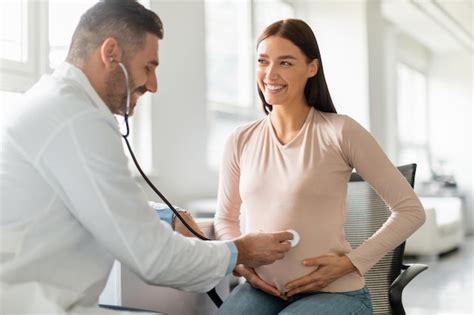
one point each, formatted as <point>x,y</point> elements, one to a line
<point>402,68</point>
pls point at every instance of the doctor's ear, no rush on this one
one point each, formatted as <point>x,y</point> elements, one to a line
<point>110,52</point>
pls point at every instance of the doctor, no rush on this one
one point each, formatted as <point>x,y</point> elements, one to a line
<point>69,205</point>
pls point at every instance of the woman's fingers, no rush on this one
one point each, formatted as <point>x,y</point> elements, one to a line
<point>251,276</point>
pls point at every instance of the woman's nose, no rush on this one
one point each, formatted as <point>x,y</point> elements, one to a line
<point>271,72</point>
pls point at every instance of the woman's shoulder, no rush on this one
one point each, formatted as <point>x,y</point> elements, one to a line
<point>335,122</point>
<point>248,129</point>
<point>243,134</point>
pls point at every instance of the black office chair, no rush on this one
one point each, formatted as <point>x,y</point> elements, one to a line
<point>365,215</point>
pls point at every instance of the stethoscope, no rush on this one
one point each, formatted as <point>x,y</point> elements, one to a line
<point>212,293</point>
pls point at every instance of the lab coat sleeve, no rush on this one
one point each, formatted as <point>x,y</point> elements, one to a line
<point>85,161</point>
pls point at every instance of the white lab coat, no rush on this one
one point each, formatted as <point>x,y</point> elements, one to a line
<point>69,206</point>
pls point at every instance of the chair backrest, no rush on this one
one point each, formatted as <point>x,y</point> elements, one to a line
<point>366,212</point>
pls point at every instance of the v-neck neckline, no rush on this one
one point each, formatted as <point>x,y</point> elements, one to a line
<point>303,127</point>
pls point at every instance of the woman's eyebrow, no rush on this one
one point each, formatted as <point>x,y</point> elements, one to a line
<point>280,57</point>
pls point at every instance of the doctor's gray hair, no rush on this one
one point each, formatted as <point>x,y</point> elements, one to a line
<point>125,20</point>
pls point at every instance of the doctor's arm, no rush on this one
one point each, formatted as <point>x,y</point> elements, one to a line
<point>86,164</point>
<point>167,215</point>
<point>92,177</point>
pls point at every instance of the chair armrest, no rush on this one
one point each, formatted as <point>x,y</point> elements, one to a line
<point>395,293</point>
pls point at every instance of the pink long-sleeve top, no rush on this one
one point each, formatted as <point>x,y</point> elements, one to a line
<point>302,185</point>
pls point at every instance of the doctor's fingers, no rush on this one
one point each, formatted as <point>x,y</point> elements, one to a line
<point>278,256</point>
<point>283,247</point>
<point>283,236</point>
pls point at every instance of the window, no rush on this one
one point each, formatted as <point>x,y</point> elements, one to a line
<point>229,53</point>
<point>231,31</point>
<point>63,19</point>
<point>17,63</point>
<point>34,39</point>
<point>13,40</point>
<point>412,114</point>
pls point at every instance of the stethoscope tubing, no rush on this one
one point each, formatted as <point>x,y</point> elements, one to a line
<point>211,293</point>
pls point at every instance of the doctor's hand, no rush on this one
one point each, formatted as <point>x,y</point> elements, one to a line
<point>329,269</point>
<point>181,228</point>
<point>256,249</point>
<point>255,281</point>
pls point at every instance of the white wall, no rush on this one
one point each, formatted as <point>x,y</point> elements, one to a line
<point>381,79</point>
<point>451,118</point>
<point>341,30</point>
<point>179,112</point>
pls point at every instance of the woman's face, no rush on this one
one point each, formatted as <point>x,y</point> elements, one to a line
<point>282,71</point>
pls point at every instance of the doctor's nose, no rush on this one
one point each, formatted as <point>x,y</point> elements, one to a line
<point>152,83</point>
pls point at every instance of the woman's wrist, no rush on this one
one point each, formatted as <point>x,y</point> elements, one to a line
<point>349,265</point>
<point>184,214</point>
<point>173,220</point>
<point>174,217</point>
<point>237,270</point>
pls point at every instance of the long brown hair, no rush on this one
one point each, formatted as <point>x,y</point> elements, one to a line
<point>299,33</point>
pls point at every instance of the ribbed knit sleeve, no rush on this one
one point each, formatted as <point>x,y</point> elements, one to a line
<point>365,155</point>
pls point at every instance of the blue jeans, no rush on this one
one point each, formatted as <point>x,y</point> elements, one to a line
<point>247,300</point>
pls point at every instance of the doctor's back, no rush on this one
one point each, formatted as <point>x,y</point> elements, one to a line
<point>42,244</point>
<point>69,206</point>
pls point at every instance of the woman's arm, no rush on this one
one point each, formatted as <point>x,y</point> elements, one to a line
<point>365,155</point>
<point>226,221</point>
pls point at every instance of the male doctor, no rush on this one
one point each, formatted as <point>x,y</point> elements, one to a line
<point>69,205</point>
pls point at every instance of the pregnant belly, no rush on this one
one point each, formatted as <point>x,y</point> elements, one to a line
<point>291,268</point>
<point>285,270</point>
<point>315,240</point>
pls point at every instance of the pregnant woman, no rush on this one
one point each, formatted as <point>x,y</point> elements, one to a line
<point>290,170</point>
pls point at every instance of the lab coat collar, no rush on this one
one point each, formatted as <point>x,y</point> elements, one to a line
<point>70,71</point>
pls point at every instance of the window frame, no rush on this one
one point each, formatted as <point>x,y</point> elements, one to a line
<point>219,111</point>
<point>409,145</point>
<point>20,76</point>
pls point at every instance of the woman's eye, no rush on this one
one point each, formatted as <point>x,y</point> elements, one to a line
<point>285,63</point>
<point>261,61</point>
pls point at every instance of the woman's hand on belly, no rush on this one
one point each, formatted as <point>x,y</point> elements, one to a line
<point>329,268</point>
<point>251,276</point>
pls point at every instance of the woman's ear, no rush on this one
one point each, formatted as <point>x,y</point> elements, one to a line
<point>313,68</point>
